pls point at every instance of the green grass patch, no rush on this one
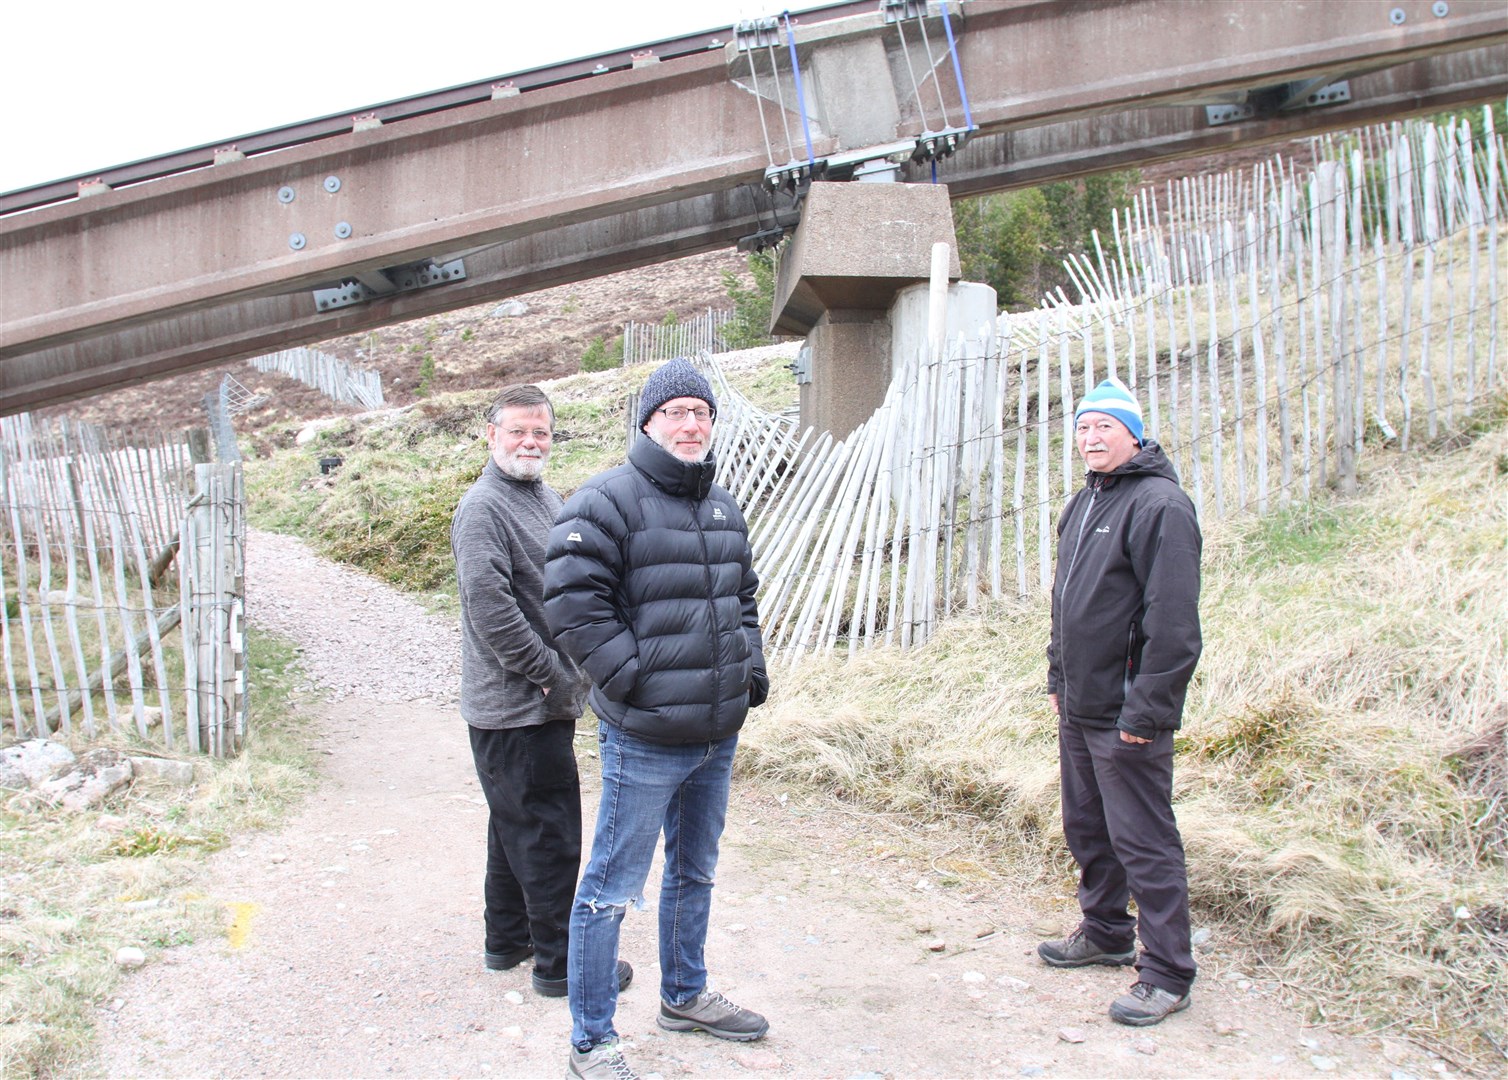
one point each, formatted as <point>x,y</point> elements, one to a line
<point>387,508</point>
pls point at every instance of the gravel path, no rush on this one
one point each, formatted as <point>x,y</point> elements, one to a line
<point>357,636</point>
<point>354,932</point>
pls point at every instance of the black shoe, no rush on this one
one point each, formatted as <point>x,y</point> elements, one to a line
<point>1076,950</point>
<point>508,959</point>
<point>559,987</point>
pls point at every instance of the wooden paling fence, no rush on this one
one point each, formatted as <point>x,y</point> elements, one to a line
<point>98,634</point>
<point>330,375</point>
<point>645,343</point>
<point>1275,325</point>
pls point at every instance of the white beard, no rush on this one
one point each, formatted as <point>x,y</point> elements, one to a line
<point>522,468</point>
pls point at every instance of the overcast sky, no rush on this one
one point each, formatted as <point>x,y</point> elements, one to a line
<point>86,84</point>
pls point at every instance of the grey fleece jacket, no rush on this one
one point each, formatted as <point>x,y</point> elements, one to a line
<point>508,657</point>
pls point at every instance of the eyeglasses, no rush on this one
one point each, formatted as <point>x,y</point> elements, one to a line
<point>540,434</point>
<point>675,414</point>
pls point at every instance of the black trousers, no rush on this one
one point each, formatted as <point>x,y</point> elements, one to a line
<point>1118,819</point>
<point>533,796</point>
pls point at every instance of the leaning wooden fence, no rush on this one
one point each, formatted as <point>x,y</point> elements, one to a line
<point>645,343</point>
<point>99,633</point>
<point>1276,325</point>
<point>330,375</point>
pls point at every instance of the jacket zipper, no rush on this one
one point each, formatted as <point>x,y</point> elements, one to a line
<point>717,681</point>
<point>1067,577</point>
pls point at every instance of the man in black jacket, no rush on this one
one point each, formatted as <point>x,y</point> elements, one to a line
<point>1125,640</point>
<point>649,586</point>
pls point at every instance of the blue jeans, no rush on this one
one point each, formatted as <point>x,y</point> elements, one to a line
<point>647,787</point>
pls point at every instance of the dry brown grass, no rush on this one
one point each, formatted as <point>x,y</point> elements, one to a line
<point>74,887</point>
<point>1341,768</point>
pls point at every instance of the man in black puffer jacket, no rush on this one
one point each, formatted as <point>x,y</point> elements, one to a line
<point>1125,640</point>
<point>649,586</point>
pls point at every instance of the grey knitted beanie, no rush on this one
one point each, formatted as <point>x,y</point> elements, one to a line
<point>676,378</point>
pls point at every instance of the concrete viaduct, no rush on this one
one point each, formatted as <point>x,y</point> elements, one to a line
<point>481,192</point>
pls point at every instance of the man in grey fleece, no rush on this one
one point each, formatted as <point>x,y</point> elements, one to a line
<point>519,695</point>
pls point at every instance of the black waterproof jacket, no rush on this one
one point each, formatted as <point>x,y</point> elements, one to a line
<point>1125,600</point>
<point>649,586</point>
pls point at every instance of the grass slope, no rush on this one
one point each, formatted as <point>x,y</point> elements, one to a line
<point>1341,772</point>
<point>1340,775</point>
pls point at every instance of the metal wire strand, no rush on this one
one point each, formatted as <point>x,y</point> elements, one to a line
<point>916,90</point>
<point>769,151</point>
<point>790,147</point>
<point>806,127</point>
<point>932,63</point>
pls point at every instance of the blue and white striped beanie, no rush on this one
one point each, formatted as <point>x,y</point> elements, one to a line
<point>1113,399</point>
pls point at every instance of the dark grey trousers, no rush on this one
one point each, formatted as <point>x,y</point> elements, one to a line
<point>1118,819</point>
<point>533,796</point>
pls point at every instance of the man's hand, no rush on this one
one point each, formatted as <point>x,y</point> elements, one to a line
<point>1052,699</point>
<point>1126,736</point>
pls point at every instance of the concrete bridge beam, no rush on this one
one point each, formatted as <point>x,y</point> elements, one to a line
<point>137,281</point>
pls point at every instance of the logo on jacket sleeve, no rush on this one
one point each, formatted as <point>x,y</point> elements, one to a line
<point>574,538</point>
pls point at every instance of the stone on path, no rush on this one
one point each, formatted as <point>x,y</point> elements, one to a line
<point>758,1059</point>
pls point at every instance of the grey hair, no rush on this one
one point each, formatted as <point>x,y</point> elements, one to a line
<point>522,396</point>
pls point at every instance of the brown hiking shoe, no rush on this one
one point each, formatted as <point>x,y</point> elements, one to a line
<point>1076,950</point>
<point>709,1011</point>
<point>602,1062</point>
<point>1146,1004</point>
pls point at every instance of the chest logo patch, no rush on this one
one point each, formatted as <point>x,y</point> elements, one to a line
<point>574,538</point>
<point>1103,529</point>
<point>718,515</point>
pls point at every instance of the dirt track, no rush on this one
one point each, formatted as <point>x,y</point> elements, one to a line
<point>354,943</point>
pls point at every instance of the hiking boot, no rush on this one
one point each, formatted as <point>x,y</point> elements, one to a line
<point>1076,950</point>
<point>602,1062</point>
<point>508,959</point>
<point>709,1011</point>
<point>1145,1005</point>
<point>560,987</point>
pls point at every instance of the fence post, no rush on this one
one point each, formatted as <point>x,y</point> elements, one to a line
<point>215,600</point>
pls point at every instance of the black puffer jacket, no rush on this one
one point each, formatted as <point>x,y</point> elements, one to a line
<point>649,587</point>
<point>1125,601</point>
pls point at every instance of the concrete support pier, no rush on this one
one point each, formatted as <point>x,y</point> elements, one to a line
<point>857,247</point>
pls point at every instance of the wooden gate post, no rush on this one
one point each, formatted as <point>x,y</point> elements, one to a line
<point>213,566</point>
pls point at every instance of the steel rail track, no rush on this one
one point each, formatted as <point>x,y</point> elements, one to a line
<point>324,127</point>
